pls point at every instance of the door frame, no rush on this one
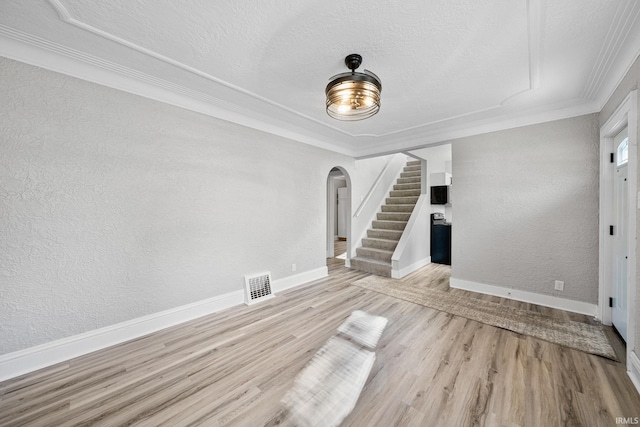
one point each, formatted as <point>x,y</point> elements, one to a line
<point>331,206</point>
<point>625,115</point>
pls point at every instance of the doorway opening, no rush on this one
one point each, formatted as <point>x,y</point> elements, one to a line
<point>338,214</point>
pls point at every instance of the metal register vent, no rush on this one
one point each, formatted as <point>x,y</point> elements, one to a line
<point>257,288</point>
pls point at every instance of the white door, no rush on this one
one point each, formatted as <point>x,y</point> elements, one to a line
<point>620,234</point>
<point>342,212</point>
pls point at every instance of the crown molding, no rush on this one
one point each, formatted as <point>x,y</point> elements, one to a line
<point>42,53</point>
<point>524,118</point>
<point>51,56</point>
<point>534,34</point>
<point>65,16</point>
<point>616,55</point>
<point>45,54</point>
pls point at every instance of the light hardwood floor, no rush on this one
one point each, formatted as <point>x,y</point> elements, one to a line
<point>233,367</point>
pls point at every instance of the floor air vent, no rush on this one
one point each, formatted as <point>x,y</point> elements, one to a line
<point>257,288</point>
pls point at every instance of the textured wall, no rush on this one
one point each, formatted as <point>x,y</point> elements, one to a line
<point>113,206</point>
<point>437,159</point>
<point>630,82</point>
<point>364,175</point>
<point>526,208</point>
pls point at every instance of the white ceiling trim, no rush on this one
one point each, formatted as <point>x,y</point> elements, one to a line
<point>408,131</point>
<point>616,55</point>
<point>534,34</point>
<point>528,118</point>
<point>66,16</point>
<point>42,53</point>
<point>625,19</point>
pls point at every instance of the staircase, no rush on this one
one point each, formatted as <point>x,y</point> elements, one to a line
<point>374,256</point>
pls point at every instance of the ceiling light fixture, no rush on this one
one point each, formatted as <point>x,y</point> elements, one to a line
<point>353,96</point>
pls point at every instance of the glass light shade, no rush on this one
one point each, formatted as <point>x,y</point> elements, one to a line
<point>353,96</point>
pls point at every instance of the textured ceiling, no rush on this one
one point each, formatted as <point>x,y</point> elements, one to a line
<point>449,68</point>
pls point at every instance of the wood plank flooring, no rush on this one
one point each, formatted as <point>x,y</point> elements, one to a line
<point>233,367</point>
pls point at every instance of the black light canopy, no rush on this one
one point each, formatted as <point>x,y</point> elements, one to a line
<point>351,95</point>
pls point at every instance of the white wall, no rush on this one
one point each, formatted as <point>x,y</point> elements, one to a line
<point>526,208</point>
<point>365,173</point>
<point>114,206</point>
<point>414,250</point>
<point>439,159</point>
<point>630,82</point>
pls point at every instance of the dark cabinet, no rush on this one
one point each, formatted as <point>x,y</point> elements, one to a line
<point>441,243</point>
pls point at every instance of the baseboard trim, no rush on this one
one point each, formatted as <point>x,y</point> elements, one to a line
<point>633,369</point>
<point>399,274</point>
<point>289,282</point>
<point>524,296</point>
<point>40,356</point>
<point>31,359</point>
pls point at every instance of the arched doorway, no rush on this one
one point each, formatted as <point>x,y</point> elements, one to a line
<point>339,214</point>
